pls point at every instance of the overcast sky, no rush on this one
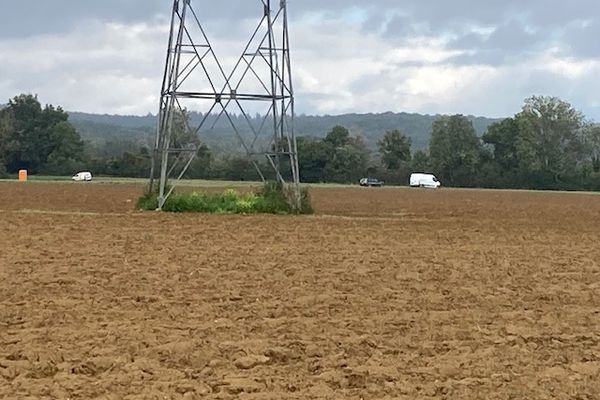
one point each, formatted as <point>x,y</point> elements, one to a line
<point>481,57</point>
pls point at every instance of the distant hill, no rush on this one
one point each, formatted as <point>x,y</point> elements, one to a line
<point>372,127</point>
<point>124,121</point>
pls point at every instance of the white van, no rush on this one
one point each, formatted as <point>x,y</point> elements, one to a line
<point>425,181</point>
<point>82,177</point>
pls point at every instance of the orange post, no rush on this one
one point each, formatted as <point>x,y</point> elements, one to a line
<point>23,175</point>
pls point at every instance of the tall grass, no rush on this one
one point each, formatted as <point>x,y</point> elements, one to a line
<point>272,198</point>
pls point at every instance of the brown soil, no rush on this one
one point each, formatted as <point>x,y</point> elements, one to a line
<point>391,293</point>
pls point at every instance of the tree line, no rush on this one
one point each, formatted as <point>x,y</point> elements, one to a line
<point>547,145</point>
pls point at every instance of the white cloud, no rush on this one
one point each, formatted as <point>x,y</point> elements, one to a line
<point>107,68</point>
<point>569,68</point>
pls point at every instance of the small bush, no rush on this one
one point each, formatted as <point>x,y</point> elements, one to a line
<point>278,198</point>
<point>273,198</point>
<point>148,201</point>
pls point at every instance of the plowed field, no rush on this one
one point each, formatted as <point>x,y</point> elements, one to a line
<point>383,294</point>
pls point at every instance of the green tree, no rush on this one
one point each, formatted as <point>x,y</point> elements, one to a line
<point>6,130</point>
<point>128,164</point>
<point>183,134</point>
<point>313,156</point>
<point>592,143</point>
<point>454,150</point>
<point>336,158</point>
<point>347,157</point>
<point>26,144</point>
<point>420,161</point>
<point>550,138</point>
<point>202,164</point>
<point>241,169</point>
<point>338,137</point>
<point>503,137</point>
<point>37,135</point>
<point>394,149</point>
<point>67,154</point>
<point>347,163</point>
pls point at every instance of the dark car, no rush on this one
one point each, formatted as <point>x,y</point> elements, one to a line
<point>371,182</point>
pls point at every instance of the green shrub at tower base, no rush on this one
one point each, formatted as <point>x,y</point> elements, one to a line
<point>272,198</point>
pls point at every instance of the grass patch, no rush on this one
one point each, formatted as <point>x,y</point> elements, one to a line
<point>272,198</point>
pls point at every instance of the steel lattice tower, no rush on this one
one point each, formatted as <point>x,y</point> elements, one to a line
<point>194,74</point>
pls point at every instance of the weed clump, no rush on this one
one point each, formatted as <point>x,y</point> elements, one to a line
<point>149,201</point>
<point>280,199</point>
<point>272,198</point>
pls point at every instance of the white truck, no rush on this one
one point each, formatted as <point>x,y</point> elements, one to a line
<point>82,177</point>
<point>428,181</point>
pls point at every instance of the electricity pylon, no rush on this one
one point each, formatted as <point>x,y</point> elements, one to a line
<point>194,75</point>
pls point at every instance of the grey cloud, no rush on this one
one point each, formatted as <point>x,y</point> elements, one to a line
<point>520,30</point>
<point>511,36</point>
<point>443,14</point>
<point>36,17</point>
<point>23,18</point>
<point>484,57</point>
<point>402,26</point>
<point>27,18</point>
<point>508,43</point>
<point>582,41</point>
